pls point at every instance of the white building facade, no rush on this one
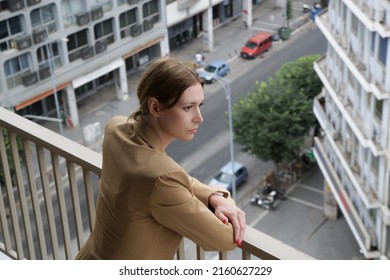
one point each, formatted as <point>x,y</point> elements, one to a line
<point>354,112</point>
<point>54,53</point>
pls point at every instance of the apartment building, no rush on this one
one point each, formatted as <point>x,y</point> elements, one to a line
<point>55,53</point>
<point>354,112</point>
<point>71,47</point>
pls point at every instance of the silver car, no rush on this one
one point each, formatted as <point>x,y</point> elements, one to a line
<point>213,70</point>
<point>223,178</point>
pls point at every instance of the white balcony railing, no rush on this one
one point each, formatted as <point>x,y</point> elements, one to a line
<point>48,193</point>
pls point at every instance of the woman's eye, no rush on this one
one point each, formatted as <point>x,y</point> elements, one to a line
<point>187,108</point>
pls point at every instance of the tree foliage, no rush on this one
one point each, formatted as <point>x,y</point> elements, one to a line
<point>272,122</point>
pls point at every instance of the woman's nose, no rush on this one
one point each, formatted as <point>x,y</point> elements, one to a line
<point>198,118</point>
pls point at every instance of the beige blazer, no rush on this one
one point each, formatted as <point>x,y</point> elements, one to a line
<point>147,202</point>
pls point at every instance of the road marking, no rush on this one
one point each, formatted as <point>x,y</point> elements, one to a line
<point>305,203</point>
<point>264,29</point>
<point>267,24</point>
<point>310,188</point>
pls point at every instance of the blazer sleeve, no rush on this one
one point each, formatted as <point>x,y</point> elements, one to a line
<point>203,191</point>
<point>176,207</point>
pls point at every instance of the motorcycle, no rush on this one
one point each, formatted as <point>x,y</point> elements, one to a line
<point>305,8</point>
<point>264,202</point>
<point>275,193</point>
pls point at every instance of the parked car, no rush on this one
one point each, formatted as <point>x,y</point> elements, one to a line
<point>213,70</point>
<point>223,178</point>
<point>256,45</point>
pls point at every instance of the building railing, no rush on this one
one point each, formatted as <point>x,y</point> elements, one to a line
<point>48,190</point>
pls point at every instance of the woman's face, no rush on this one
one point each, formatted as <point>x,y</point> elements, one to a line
<point>182,120</point>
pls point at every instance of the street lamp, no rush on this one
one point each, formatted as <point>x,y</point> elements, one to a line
<point>50,57</point>
<point>225,83</point>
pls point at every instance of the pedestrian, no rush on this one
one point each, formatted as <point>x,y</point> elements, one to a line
<point>147,202</point>
<point>198,58</point>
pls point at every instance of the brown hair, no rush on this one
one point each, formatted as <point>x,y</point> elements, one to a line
<point>165,79</point>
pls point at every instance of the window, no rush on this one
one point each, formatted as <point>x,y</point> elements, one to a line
<point>44,17</point>
<point>15,67</point>
<point>105,4</point>
<point>126,20</point>
<point>44,53</point>
<point>383,49</point>
<point>104,30</point>
<point>373,42</point>
<point>8,29</point>
<point>76,42</point>
<point>70,9</point>
<point>378,109</point>
<point>150,9</point>
<point>354,24</point>
<point>122,2</point>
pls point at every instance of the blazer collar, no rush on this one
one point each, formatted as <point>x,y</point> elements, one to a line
<point>148,134</point>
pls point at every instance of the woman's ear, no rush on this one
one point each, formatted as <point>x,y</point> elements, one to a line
<point>154,106</point>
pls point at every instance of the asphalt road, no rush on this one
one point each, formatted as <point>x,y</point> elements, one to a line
<point>210,148</point>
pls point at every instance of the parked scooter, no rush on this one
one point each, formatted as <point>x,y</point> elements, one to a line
<point>305,8</point>
<point>263,201</point>
<point>275,193</point>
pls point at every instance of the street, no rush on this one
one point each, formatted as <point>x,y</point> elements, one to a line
<point>210,149</point>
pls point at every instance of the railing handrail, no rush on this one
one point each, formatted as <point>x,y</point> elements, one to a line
<point>52,141</point>
<point>19,235</point>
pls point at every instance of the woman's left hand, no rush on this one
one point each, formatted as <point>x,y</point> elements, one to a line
<point>226,210</point>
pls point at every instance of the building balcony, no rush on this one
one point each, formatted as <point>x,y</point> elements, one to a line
<point>48,195</point>
<point>341,44</point>
<point>338,93</point>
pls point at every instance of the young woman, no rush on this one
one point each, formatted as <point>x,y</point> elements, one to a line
<point>147,202</point>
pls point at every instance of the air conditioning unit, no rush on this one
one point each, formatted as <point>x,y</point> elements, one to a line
<point>29,79</point>
<point>39,35</point>
<point>100,46</point>
<point>126,32</point>
<point>44,73</point>
<point>97,13</point>
<point>23,42</point>
<point>136,30</point>
<point>15,5</point>
<point>74,55</point>
<point>87,52</point>
<point>82,18</point>
<point>155,18</point>
<point>132,2</point>
<point>32,2</point>
<point>148,24</point>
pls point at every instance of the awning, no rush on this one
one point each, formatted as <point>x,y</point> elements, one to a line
<point>40,97</point>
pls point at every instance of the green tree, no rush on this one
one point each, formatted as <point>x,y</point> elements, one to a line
<point>300,75</point>
<point>273,121</point>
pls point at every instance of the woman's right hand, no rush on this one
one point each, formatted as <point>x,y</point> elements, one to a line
<point>226,210</point>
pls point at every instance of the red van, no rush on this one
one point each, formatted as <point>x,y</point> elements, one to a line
<point>256,45</point>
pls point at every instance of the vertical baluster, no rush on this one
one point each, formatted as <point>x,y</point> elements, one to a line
<point>48,201</point>
<point>75,203</point>
<point>62,204</point>
<point>89,197</point>
<point>34,198</point>
<point>22,194</point>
